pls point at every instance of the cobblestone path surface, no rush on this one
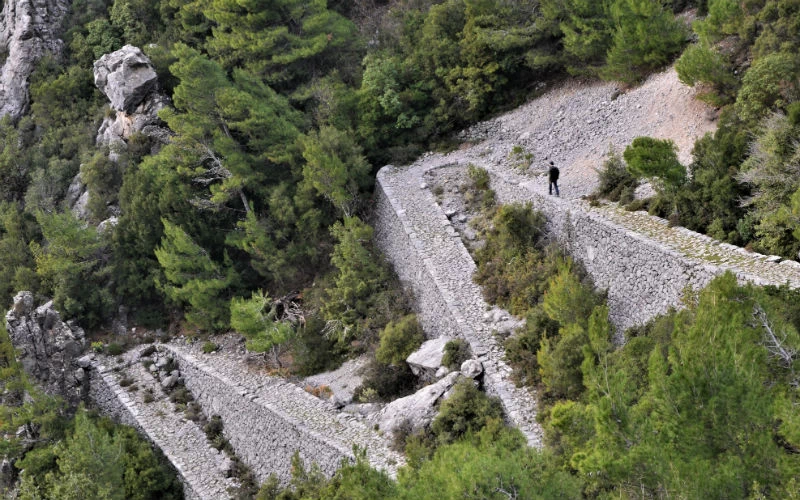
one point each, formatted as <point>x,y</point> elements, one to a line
<point>312,415</point>
<point>184,444</point>
<point>452,268</point>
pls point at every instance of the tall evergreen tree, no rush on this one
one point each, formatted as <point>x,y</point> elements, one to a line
<point>193,279</point>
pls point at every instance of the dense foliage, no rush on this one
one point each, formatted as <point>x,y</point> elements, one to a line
<point>693,404</point>
<point>84,457</point>
<point>741,184</point>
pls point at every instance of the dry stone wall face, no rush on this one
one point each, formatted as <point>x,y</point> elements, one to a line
<point>644,265</point>
<point>643,278</point>
<point>403,246</point>
<point>261,436</point>
<point>181,441</point>
<point>267,419</point>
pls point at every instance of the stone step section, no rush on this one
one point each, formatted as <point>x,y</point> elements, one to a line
<point>428,255</point>
<point>267,419</point>
<point>201,468</point>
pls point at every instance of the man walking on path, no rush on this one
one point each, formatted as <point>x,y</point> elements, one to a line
<point>553,175</point>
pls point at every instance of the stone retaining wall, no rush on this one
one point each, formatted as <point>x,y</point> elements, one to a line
<point>644,273</point>
<point>643,279</point>
<point>111,400</point>
<point>403,248</point>
<point>428,256</point>
<point>263,437</point>
<point>643,276</point>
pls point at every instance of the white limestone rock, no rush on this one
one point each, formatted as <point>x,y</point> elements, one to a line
<point>416,410</point>
<point>126,77</point>
<point>425,361</point>
<point>363,410</point>
<point>29,29</point>
<point>47,348</point>
<point>442,372</point>
<point>342,382</point>
<point>471,368</point>
<point>129,80</point>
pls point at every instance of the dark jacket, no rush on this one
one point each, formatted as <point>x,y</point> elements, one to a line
<point>553,173</point>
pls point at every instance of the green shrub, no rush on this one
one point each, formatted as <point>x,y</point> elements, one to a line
<point>632,55</point>
<point>115,349</point>
<point>358,284</point>
<point>560,362</point>
<point>209,347</point>
<point>399,339</point>
<point>313,352</point>
<point>98,346</point>
<point>181,396</point>
<point>386,382</point>
<point>648,157</point>
<point>637,205</point>
<point>213,427</point>
<point>614,178</point>
<point>512,266</point>
<point>466,410</point>
<point>455,353</point>
<point>770,84</point>
<point>521,348</point>
<point>479,177</point>
<point>148,397</point>
<point>494,463</point>
<point>701,64</point>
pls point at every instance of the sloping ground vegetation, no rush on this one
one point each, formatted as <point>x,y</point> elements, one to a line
<point>696,403</point>
<point>300,102</point>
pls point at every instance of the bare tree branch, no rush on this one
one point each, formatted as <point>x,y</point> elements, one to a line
<point>775,342</point>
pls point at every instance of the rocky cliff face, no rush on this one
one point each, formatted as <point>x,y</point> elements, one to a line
<point>29,29</point>
<point>129,80</point>
<point>47,347</point>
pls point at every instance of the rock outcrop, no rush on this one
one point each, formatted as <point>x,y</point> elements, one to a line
<point>426,361</point>
<point>415,412</point>
<point>129,80</point>
<point>48,348</point>
<point>29,29</point>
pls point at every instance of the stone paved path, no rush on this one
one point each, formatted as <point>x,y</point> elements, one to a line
<point>295,405</point>
<point>751,266</point>
<point>453,268</point>
<point>181,440</point>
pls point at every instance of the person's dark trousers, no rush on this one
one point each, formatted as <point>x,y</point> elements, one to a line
<point>550,190</point>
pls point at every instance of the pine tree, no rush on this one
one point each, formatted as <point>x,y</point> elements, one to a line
<point>256,319</point>
<point>285,42</point>
<point>193,279</point>
<point>646,36</point>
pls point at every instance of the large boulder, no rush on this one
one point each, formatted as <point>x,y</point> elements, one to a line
<point>129,80</point>
<point>426,361</point>
<point>29,29</point>
<point>126,77</point>
<point>414,412</point>
<point>47,348</point>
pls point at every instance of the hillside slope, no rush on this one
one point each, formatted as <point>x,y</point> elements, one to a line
<point>575,123</point>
